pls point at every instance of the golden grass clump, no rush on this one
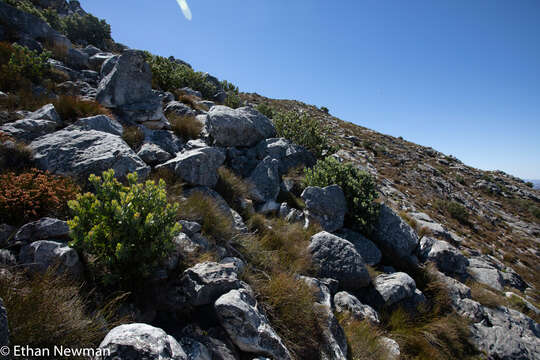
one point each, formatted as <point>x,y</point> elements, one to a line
<point>133,136</point>
<point>186,127</point>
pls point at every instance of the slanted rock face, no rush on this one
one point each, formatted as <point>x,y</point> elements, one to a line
<point>99,123</point>
<point>153,155</point>
<point>394,287</point>
<point>337,258</point>
<point>394,234</point>
<point>289,155</point>
<point>42,254</point>
<point>490,271</point>
<point>447,258</point>
<point>205,282</point>
<point>83,152</point>
<point>140,342</point>
<point>43,229</point>
<point>247,327</point>
<point>346,302</point>
<point>46,112</point>
<point>28,129</point>
<point>326,206</point>
<point>265,179</point>
<point>128,88</point>
<point>365,247</point>
<point>244,126</point>
<point>198,166</point>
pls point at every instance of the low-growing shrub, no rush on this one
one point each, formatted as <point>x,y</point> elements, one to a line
<point>302,129</point>
<point>87,29</point>
<point>133,136</point>
<point>458,212</point>
<point>229,87</point>
<point>325,109</point>
<point>72,108</point>
<point>168,75</point>
<point>29,63</point>
<point>186,127</point>
<point>266,110</point>
<point>529,184</point>
<point>34,194</point>
<point>125,231</point>
<point>358,186</point>
<point>233,101</point>
<point>47,310</point>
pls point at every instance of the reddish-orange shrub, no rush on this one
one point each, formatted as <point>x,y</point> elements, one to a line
<point>34,194</point>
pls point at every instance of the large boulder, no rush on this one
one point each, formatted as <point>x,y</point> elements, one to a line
<point>289,155</point>
<point>82,152</point>
<point>42,229</point>
<point>394,235</point>
<point>492,272</point>
<point>28,129</point>
<point>365,247</point>
<point>99,123</point>
<point>46,112</point>
<point>346,302</point>
<point>247,327</point>
<point>447,258</point>
<point>153,155</point>
<point>203,283</point>
<point>197,166</point>
<point>128,88</point>
<point>43,254</point>
<point>140,342</point>
<point>265,180</point>
<point>394,287</point>
<point>244,126</point>
<point>338,259</point>
<point>326,206</point>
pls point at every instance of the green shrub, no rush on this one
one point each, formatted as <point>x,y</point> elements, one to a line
<point>358,186</point>
<point>33,194</point>
<point>458,212</point>
<point>87,29</point>
<point>266,110</point>
<point>29,63</point>
<point>325,109</point>
<point>229,87</point>
<point>303,130</point>
<point>233,101</point>
<point>48,310</point>
<point>529,184</point>
<point>168,75</point>
<point>125,231</point>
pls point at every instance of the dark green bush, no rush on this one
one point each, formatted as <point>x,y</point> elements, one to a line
<point>168,75</point>
<point>29,63</point>
<point>302,129</point>
<point>458,212</point>
<point>125,231</point>
<point>233,100</point>
<point>325,109</point>
<point>266,110</point>
<point>358,186</point>
<point>529,184</point>
<point>87,29</point>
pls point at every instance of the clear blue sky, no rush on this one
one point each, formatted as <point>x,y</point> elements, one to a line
<point>462,76</point>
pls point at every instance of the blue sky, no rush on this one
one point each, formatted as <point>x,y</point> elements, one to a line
<point>462,76</point>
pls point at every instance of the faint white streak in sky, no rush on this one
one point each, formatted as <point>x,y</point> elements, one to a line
<point>185,8</point>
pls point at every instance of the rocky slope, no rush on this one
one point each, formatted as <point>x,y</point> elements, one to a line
<point>441,223</point>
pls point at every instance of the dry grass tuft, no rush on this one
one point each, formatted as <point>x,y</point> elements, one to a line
<point>363,339</point>
<point>71,108</point>
<point>133,136</point>
<point>233,189</point>
<point>186,127</point>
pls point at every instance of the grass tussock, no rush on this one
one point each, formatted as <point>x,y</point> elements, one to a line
<point>233,189</point>
<point>191,101</point>
<point>14,155</point>
<point>363,339</point>
<point>48,310</point>
<point>486,296</point>
<point>71,108</point>
<point>133,136</point>
<point>215,224</point>
<point>186,127</point>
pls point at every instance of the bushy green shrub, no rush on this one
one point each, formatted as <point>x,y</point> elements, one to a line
<point>87,29</point>
<point>302,129</point>
<point>325,109</point>
<point>170,76</point>
<point>229,87</point>
<point>233,100</point>
<point>125,231</point>
<point>458,212</point>
<point>29,63</point>
<point>266,110</point>
<point>358,186</point>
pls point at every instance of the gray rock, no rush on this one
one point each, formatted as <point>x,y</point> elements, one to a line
<point>527,303</point>
<point>447,258</point>
<point>165,139</point>
<point>394,235</point>
<point>244,126</point>
<point>46,112</point>
<point>238,265</point>
<point>140,342</point>
<point>365,247</point>
<point>490,271</point>
<point>337,258</point>
<point>83,152</point>
<point>128,88</point>
<point>507,334</point>
<point>198,166</point>
<point>191,92</point>
<point>91,50</point>
<point>190,227</point>
<point>203,283</point>
<point>77,88</point>
<point>108,65</point>
<point>247,327</point>
<point>5,234</point>
<point>42,229</point>
<point>289,155</point>
<point>4,328</point>
<point>392,347</point>
<point>96,61</point>
<point>99,123</point>
<point>394,287</point>
<point>40,255</point>
<point>28,129</point>
<point>195,350</point>
<point>295,215</point>
<point>346,302</point>
<point>153,154</point>
<point>284,210</point>
<point>7,258</point>
<point>265,180</point>
<point>179,108</point>
<point>326,206</point>
<point>77,59</point>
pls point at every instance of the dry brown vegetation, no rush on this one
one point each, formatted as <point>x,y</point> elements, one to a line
<point>133,136</point>
<point>186,127</point>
